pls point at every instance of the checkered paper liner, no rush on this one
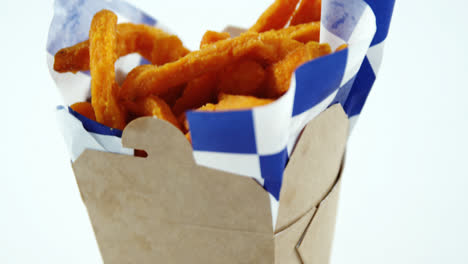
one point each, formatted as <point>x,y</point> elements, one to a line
<point>256,142</point>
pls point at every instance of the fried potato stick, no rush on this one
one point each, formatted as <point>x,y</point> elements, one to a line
<point>276,16</point>
<point>308,11</point>
<point>279,74</point>
<point>342,47</point>
<point>235,102</point>
<point>153,106</point>
<point>242,78</point>
<point>306,32</point>
<point>269,47</point>
<point>202,89</point>
<point>84,109</point>
<point>211,37</point>
<point>198,92</point>
<point>152,43</point>
<point>104,90</point>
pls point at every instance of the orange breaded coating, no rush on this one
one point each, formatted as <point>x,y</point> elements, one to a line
<point>183,121</point>
<point>84,109</point>
<point>242,78</point>
<point>72,59</point>
<point>198,92</point>
<point>153,106</point>
<point>279,74</point>
<point>202,89</point>
<point>228,101</point>
<point>212,36</point>
<point>276,16</point>
<point>269,47</point>
<point>308,11</point>
<point>302,33</point>
<point>152,43</point>
<point>342,47</point>
<point>306,32</point>
<point>235,102</point>
<point>104,90</point>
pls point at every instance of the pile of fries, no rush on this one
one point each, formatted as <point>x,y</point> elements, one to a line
<point>226,73</point>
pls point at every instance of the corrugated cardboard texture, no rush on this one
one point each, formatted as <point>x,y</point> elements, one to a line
<point>166,209</point>
<point>313,168</point>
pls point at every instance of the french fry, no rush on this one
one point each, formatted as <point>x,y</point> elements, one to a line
<point>235,102</point>
<point>308,11</point>
<point>279,74</point>
<point>269,47</point>
<point>104,89</point>
<point>198,92</point>
<point>305,32</point>
<point>242,78</point>
<point>152,43</point>
<point>202,89</point>
<point>153,106</point>
<point>342,47</point>
<point>276,16</point>
<point>84,109</point>
<point>211,37</point>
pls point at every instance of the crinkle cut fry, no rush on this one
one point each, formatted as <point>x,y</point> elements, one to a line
<point>279,74</point>
<point>153,106</point>
<point>152,43</point>
<point>269,47</point>
<point>308,11</point>
<point>104,90</point>
<point>202,89</point>
<point>276,16</point>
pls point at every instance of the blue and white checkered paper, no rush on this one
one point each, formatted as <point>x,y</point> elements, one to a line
<point>258,142</point>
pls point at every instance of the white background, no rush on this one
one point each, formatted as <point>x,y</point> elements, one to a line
<point>404,198</point>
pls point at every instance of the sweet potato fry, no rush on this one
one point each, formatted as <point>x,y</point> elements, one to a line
<point>84,109</point>
<point>308,11</point>
<point>212,36</point>
<point>235,102</point>
<point>306,32</point>
<point>183,122</point>
<point>153,106</point>
<point>276,16</point>
<point>152,43</point>
<point>200,90</point>
<point>269,47</point>
<point>279,74</point>
<point>104,90</point>
<point>342,47</point>
<point>242,78</point>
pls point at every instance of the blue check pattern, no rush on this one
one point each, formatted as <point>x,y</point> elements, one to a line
<point>258,142</point>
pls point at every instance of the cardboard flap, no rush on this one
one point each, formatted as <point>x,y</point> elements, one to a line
<point>286,241</point>
<point>166,209</point>
<point>314,166</point>
<point>157,138</point>
<point>317,242</point>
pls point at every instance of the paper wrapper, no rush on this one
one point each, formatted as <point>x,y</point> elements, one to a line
<point>256,143</point>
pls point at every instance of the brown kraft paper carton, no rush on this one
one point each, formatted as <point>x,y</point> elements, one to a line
<point>166,209</point>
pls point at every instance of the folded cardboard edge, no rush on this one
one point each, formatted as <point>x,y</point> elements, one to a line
<point>166,207</point>
<point>140,135</point>
<point>289,240</point>
<point>316,244</point>
<point>314,166</point>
